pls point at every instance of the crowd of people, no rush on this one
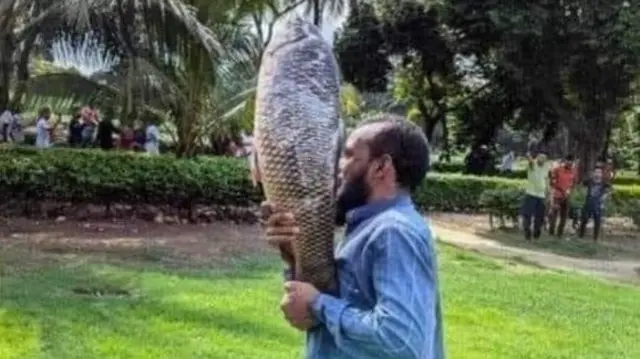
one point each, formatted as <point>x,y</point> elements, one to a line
<point>548,191</point>
<point>85,130</point>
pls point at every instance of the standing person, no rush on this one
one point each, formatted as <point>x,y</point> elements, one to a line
<point>16,133</point>
<point>139,136</point>
<point>43,129</point>
<point>536,191</point>
<point>597,193</point>
<point>75,129</point>
<point>389,301</point>
<point>562,182</point>
<point>127,138</point>
<point>5,120</point>
<point>152,138</point>
<point>506,165</point>
<point>106,129</point>
<point>89,124</point>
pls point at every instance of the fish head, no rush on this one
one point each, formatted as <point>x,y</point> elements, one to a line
<point>293,29</point>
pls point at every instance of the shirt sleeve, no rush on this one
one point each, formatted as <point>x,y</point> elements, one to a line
<point>406,313</point>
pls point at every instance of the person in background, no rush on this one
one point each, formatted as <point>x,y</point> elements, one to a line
<point>89,124</point>
<point>506,165</point>
<point>152,138</point>
<point>127,138</point>
<point>562,179</point>
<point>5,120</point>
<point>15,131</point>
<point>536,191</point>
<point>139,136</point>
<point>106,130</point>
<point>597,193</point>
<point>75,129</point>
<point>43,129</point>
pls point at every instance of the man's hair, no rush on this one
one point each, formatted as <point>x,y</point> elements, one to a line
<point>407,146</point>
<point>569,158</point>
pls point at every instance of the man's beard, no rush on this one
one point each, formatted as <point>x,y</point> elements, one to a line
<point>351,195</point>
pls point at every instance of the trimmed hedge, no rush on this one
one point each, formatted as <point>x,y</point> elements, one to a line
<point>443,167</point>
<point>95,176</point>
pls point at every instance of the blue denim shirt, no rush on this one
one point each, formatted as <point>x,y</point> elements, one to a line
<point>389,304</point>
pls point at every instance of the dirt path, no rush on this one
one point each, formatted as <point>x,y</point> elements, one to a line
<point>624,270</point>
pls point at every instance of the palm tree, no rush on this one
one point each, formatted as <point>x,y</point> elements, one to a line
<point>176,75</point>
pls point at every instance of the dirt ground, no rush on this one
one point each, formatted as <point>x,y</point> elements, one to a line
<point>27,243</point>
<point>171,244</point>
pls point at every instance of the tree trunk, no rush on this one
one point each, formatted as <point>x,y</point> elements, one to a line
<point>23,71</point>
<point>7,50</point>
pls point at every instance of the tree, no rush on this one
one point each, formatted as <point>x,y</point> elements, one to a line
<point>569,64</point>
<point>361,38</point>
<point>426,73</point>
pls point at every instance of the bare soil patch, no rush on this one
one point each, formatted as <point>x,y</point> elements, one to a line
<point>24,242</point>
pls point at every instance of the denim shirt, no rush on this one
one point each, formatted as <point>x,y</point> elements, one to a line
<point>389,304</point>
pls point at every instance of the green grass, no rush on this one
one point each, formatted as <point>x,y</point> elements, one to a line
<point>493,310</point>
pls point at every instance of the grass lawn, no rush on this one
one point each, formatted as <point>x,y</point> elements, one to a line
<point>493,310</point>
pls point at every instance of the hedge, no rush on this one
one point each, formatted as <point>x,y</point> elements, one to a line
<point>444,167</point>
<point>98,177</point>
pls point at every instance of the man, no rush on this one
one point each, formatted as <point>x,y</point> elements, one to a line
<point>152,138</point>
<point>43,129</point>
<point>562,182</point>
<point>506,165</point>
<point>598,190</point>
<point>5,120</point>
<point>106,129</point>
<point>389,302</point>
<point>536,187</point>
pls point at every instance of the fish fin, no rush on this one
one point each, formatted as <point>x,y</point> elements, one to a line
<point>338,146</point>
<point>255,169</point>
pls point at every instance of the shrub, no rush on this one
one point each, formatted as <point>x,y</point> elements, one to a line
<point>444,167</point>
<point>98,177</point>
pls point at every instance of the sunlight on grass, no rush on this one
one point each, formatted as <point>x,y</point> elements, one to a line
<point>493,310</point>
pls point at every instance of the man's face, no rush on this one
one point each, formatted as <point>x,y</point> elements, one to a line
<point>541,158</point>
<point>356,172</point>
<point>597,175</point>
<point>568,164</point>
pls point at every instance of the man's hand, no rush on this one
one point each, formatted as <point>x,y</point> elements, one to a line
<point>281,230</point>
<point>296,304</point>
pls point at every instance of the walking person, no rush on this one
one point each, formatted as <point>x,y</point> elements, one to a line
<point>43,129</point>
<point>598,190</point>
<point>536,190</point>
<point>388,305</point>
<point>562,183</point>
<point>75,129</point>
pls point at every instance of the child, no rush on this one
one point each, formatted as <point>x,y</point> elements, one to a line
<point>597,193</point>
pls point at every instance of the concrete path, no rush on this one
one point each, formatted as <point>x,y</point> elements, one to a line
<point>627,271</point>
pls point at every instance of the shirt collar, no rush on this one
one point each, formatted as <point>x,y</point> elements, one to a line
<point>362,213</point>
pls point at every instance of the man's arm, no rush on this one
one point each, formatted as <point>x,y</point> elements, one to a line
<point>404,318</point>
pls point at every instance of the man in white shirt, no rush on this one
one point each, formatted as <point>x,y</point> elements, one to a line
<point>152,139</point>
<point>43,135</point>
<point>5,120</point>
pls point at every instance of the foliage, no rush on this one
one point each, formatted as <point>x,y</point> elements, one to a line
<point>71,176</point>
<point>361,38</point>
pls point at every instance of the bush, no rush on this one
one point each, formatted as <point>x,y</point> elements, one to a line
<point>98,177</point>
<point>444,167</point>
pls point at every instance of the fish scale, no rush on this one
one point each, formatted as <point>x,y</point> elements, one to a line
<point>298,137</point>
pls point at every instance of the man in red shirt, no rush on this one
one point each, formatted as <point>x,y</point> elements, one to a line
<point>563,179</point>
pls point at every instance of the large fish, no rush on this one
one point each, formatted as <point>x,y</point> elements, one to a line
<point>298,138</point>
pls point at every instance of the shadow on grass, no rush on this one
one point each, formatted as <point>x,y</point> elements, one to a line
<point>569,246</point>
